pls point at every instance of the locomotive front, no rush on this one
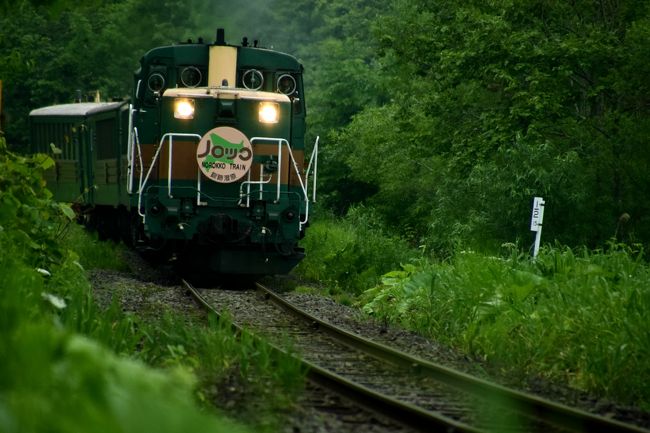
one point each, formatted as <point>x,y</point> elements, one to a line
<point>216,167</point>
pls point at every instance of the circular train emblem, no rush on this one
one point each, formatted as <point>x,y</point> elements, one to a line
<point>224,154</point>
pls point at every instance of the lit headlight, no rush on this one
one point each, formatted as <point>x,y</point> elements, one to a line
<point>269,112</point>
<point>184,109</point>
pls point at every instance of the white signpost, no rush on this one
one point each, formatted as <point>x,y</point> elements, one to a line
<point>536,222</point>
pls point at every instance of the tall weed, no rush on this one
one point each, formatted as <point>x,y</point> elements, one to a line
<point>93,253</point>
<point>575,317</point>
<point>351,253</point>
<point>213,353</point>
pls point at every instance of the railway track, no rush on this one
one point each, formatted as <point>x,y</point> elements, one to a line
<point>415,393</point>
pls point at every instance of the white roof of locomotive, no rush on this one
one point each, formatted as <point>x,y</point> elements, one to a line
<point>79,109</point>
<point>224,93</point>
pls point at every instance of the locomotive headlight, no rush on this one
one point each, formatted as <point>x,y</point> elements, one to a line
<point>184,109</point>
<point>269,112</point>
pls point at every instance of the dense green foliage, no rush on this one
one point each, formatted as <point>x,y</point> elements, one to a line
<point>351,254</point>
<point>576,318</point>
<point>492,103</point>
<point>52,51</point>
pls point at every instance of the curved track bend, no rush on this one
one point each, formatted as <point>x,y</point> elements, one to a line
<point>414,392</point>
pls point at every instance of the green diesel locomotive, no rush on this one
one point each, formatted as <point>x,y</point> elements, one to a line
<point>206,164</point>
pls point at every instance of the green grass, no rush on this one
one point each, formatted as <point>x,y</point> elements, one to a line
<point>573,317</point>
<point>93,253</point>
<point>241,372</point>
<point>56,376</point>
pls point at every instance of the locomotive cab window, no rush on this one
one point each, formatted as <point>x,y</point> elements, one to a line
<point>286,84</point>
<point>191,76</point>
<point>155,83</point>
<point>290,83</point>
<point>252,79</point>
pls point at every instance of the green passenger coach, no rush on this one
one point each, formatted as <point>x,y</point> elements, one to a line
<point>83,139</point>
<point>205,165</point>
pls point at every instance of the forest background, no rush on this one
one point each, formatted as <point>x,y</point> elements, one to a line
<point>443,119</point>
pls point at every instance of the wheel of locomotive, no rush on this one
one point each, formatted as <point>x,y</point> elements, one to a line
<point>155,251</point>
<point>285,248</point>
<point>136,233</point>
<point>89,220</point>
<point>107,225</point>
<point>124,223</point>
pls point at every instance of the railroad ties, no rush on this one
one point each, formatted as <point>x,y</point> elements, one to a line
<point>416,394</point>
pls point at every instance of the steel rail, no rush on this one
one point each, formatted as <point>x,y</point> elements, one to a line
<point>529,405</point>
<point>401,412</point>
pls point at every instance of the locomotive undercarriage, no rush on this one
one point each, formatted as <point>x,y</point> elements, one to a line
<point>221,245</point>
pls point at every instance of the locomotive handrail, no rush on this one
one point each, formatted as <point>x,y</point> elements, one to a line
<point>129,153</point>
<point>198,188</point>
<point>248,182</point>
<point>133,141</point>
<point>279,141</point>
<point>313,161</point>
<point>170,136</point>
<point>304,186</point>
<point>141,172</point>
<point>262,182</point>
